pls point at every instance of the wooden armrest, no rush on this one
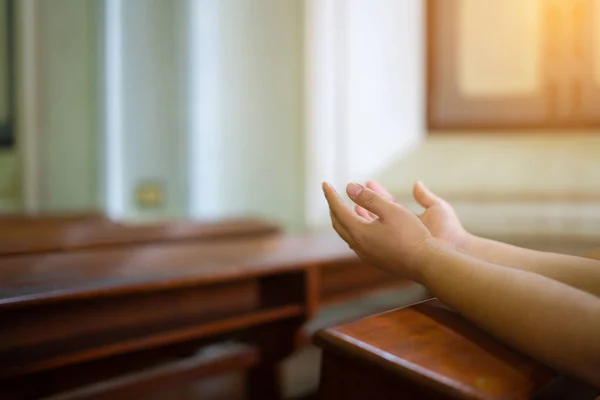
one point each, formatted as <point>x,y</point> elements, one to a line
<point>424,351</point>
<point>212,360</point>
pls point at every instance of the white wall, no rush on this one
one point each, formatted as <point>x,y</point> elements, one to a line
<point>3,56</point>
<point>68,104</point>
<point>9,174</point>
<point>256,165</point>
<point>365,91</point>
<point>492,178</point>
<point>236,147</point>
<point>58,107</point>
<point>385,72</point>
<point>9,181</point>
<point>153,109</point>
<point>62,152</point>
<point>492,163</point>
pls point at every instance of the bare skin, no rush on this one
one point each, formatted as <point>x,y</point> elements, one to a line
<point>441,220</point>
<point>549,315</point>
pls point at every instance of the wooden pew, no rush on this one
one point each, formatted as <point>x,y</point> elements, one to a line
<point>341,277</point>
<point>344,278</point>
<point>53,234</point>
<point>70,312</point>
<point>426,351</point>
<point>73,310</point>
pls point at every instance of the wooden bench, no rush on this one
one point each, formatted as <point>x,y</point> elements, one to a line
<point>71,312</point>
<point>427,351</point>
<point>69,254</point>
<point>55,234</point>
<point>56,328</point>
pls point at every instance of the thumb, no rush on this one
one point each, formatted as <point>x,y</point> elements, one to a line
<point>369,200</point>
<point>424,196</point>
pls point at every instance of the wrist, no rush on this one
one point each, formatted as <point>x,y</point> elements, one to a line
<point>425,260</point>
<point>464,241</point>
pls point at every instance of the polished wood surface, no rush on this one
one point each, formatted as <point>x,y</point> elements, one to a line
<point>109,271</point>
<point>87,305</point>
<point>424,351</point>
<point>68,234</point>
<point>48,336</point>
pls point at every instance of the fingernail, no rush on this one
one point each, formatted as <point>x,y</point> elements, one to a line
<point>354,189</point>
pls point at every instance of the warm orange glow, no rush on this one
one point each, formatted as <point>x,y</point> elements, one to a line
<point>499,47</point>
<point>596,41</point>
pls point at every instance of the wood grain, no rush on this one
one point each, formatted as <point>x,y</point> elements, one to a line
<point>85,301</point>
<point>111,271</point>
<point>60,235</point>
<point>427,347</point>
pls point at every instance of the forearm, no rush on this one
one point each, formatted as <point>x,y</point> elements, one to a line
<point>552,322</point>
<point>579,272</point>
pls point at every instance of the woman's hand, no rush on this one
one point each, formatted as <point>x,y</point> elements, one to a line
<point>395,240</point>
<point>439,216</point>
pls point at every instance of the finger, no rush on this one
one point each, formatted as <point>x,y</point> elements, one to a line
<point>379,188</point>
<point>360,255</point>
<point>424,196</point>
<point>364,213</point>
<point>369,216</point>
<point>340,230</point>
<point>370,200</point>
<point>343,214</point>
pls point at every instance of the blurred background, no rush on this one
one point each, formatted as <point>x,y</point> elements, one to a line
<point>204,109</point>
<point>152,110</point>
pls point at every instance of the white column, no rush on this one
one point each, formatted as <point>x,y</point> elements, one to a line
<point>113,174</point>
<point>203,108</point>
<point>325,101</point>
<point>386,83</point>
<point>27,98</point>
<point>365,91</point>
<point>246,109</point>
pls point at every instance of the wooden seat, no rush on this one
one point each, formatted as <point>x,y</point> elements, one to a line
<point>427,351</point>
